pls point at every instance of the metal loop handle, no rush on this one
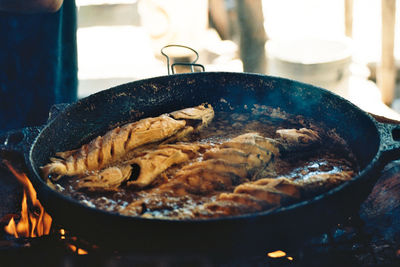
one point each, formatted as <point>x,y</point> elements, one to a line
<point>171,68</point>
<point>390,140</point>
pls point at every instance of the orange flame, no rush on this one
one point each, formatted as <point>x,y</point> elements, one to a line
<point>77,250</point>
<point>279,254</point>
<point>34,221</point>
<point>276,254</point>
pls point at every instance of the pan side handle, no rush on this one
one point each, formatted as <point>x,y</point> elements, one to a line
<point>15,144</point>
<point>390,141</point>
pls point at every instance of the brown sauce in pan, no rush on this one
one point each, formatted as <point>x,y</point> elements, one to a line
<point>333,157</point>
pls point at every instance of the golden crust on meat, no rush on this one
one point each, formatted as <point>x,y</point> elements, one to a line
<point>110,148</point>
<point>153,163</point>
<point>117,143</point>
<point>106,180</point>
<point>205,113</point>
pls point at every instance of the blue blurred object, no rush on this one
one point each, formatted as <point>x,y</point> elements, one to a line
<point>38,65</point>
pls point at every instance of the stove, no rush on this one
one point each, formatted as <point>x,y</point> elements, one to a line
<point>370,237</point>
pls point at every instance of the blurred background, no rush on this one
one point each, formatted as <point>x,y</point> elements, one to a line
<point>349,47</point>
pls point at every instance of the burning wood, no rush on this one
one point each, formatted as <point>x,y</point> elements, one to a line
<point>34,221</point>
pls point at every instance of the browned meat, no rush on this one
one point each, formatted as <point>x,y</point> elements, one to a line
<point>221,168</point>
<point>189,148</point>
<point>257,153</point>
<point>153,163</point>
<point>110,148</point>
<point>235,156</point>
<point>252,197</point>
<point>244,199</point>
<point>263,192</point>
<point>181,135</point>
<point>196,118</point>
<point>323,182</point>
<point>106,180</point>
<point>297,139</point>
<point>224,208</point>
<point>215,165</point>
<point>134,208</point>
<point>253,143</point>
<point>205,113</point>
<point>205,177</point>
<point>117,143</point>
<point>282,184</point>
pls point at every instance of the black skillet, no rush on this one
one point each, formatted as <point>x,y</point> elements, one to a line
<point>374,144</point>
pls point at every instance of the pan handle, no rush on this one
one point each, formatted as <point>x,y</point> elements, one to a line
<point>390,140</point>
<point>171,67</point>
<point>18,142</point>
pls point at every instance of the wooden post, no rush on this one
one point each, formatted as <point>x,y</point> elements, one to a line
<point>219,18</point>
<point>252,35</point>
<point>386,74</point>
<point>348,17</point>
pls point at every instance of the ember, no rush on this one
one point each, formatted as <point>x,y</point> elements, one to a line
<point>34,221</point>
<point>276,254</point>
<point>279,254</point>
<point>77,250</point>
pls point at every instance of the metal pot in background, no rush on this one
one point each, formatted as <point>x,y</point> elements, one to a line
<point>324,63</point>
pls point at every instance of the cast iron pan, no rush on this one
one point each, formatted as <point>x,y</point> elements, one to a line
<point>373,143</point>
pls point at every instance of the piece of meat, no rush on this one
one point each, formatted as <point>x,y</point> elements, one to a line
<point>111,147</point>
<point>251,149</point>
<point>245,199</point>
<point>196,118</point>
<point>293,139</point>
<point>275,191</point>
<point>281,184</point>
<point>204,113</point>
<point>189,148</point>
<point>117,143</point>
<point>234,155</point>
<point>254,139</point>
<point>263,192</point>
<point>253,143</point>
<point>108,179</point>
<point>230,204</point>
<point>224,209</point>
<point>252,197</point>
<point>320,183</point>
<point>181,135</point>
<point>153,163</point>
<point>222,167</point>
<point>204,179</point>
<point>215,165</point>
<point>135,208</point>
